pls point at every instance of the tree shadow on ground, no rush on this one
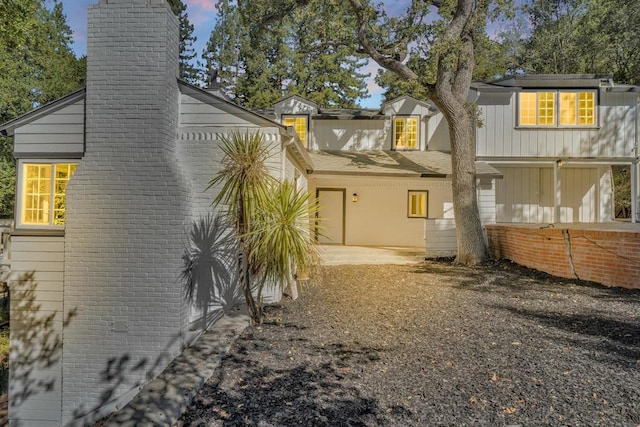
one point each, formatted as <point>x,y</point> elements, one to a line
<point>303,395</point>
<point>598,333</point>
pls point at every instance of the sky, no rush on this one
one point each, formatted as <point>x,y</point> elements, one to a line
<point>202,15</point>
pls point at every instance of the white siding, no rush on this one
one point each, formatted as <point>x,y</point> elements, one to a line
<point>441,238</point>
<point>526,194</point>
<point>294,105</point>
<point>36,323</point>
<point>486,193</point>
<point>438,133</point>
<point>579,200</point>
<point>407,106</point>
<point>194,112</point>
<point>59,132</point>
<point>499,137</point>
<point>354,135</point>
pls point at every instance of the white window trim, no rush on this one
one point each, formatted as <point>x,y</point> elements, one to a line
<point>393,132</point>
<point>20,187</point>
<point>556,117</point>
<point>308,133</point>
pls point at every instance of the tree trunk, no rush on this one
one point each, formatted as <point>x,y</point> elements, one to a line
<point>245,280</point>
<point>472,248</point>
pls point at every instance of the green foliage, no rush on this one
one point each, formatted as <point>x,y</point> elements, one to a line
<point>282,242</point>
<point>270,219</point>
<point>190,68</point>
<point>308,52</point>
<point>584,36</point>
<point>38,66</point>
<point>622,191</point>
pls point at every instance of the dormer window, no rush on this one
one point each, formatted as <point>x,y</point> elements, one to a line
<point>557,108</point>
<point>300,124</point>
<point>405,133</point>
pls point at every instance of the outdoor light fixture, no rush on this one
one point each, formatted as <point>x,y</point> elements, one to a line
<point>559,163</point>
<point>354,198</point>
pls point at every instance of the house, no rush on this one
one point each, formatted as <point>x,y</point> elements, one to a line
<point>98,308</point>
<point>111,180</point>
<point>555,138</point>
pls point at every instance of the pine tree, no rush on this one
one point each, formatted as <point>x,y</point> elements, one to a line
<point>38,67</point>
<point>190,68</point>
<point>259,62</point>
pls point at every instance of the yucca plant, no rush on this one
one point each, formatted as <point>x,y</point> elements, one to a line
<point>281,239</point>
<point>244,183</point>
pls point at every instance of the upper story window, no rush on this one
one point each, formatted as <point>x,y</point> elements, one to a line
<point>300,124</point>
<point>557,108</point>
<point>42,194</point>
<point>405,133</point>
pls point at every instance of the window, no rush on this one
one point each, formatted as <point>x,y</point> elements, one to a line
<point>418,202</point>
<point>557,108</point>
<point>42,200</point>
<point>299,123</point>
<point>405,133</point>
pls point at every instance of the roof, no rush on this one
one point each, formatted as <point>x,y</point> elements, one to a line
<point>424,164</point>
<point>300,98</point>
<point>349,114</point>
<point>398,98</point>
<point>9,127</point>
<point>556,81</point>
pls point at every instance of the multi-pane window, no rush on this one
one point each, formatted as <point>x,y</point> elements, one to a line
<point>557,108</point>
<point>299,123</point>
<point>418,202</point>
<point>43,192</point>
<point>405,133</point>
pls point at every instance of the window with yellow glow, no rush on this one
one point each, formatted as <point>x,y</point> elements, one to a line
<point>405,133</point>
<point>561,108</point>
<point>43,192</point>
<point>299,123</point>
<point>418,204</point>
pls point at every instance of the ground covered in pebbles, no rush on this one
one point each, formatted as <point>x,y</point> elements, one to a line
<point>433,344</point>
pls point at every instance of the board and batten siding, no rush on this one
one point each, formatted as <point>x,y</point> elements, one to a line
<point>37,315</point>
<point>500,137</point>
<point>526,194</point>
<point>407,106</point>
<point>61,131</point>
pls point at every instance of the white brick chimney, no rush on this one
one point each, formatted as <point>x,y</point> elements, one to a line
<point>127,207</point>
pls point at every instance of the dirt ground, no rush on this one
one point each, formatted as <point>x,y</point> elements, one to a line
<point>433,344</point>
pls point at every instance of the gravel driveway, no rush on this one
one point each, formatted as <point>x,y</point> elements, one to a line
<point>432,344</point>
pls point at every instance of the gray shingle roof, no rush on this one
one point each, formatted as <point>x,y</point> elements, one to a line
<point>390,163</point>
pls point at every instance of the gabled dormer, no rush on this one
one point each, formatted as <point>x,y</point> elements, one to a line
<point>296,111</point>
<point>408,118</point>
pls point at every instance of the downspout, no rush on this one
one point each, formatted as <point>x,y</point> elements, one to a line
<point>635,184</point>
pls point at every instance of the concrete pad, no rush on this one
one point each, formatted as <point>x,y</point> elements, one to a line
<point>162,401</point>
<point>359,255</point>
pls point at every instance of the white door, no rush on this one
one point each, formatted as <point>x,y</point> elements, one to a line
<point>331,214</point>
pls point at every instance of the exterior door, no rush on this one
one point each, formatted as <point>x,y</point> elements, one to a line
<point>331,226</point>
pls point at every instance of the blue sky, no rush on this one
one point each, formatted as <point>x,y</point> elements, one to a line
<point>201,15</point>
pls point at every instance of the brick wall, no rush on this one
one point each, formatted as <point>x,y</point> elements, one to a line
<point>127,212</point>
<point>608,257</point>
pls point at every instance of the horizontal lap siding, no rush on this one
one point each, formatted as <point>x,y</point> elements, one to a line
<point>59,132</point>
<point>194,112</point>
<point>441,237</point>
<point>36,322</point>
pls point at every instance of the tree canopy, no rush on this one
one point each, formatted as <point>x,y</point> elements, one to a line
<point>306,52</point>
<point>38,67</point>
